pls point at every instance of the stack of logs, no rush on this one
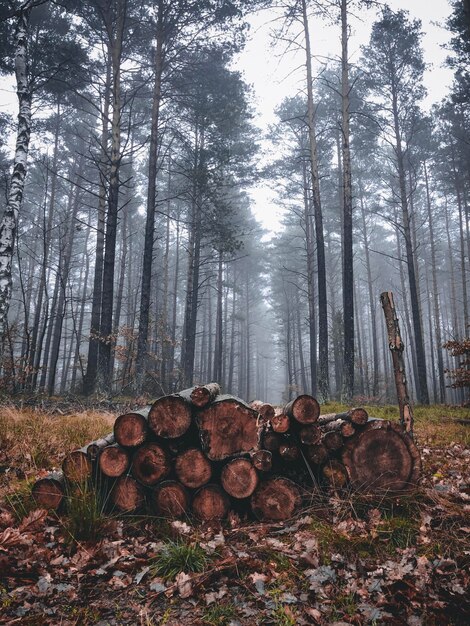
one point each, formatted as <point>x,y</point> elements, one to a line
<point>203,454</point>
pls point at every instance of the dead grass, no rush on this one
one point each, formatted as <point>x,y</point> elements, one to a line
<point>34,440</point>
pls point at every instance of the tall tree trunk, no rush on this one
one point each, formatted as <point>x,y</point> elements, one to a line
<point>303,376</point>
<point>174,305</point>
<point>9,221</point>
<point>218,349</point>
<point>231,362</point>
<point>142,339</point>
<point>435,295</point>
<point>46,240</point>
<point>372,300</point>
<point>323,375</point>
<point>348,276</point>
<point>94,340</point>
<point>312,327</point>
<point>453,294</point>
<point>63,277</point>
<point>106,322</point>
<point>421,382</point>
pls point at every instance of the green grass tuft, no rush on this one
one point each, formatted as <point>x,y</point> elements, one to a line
<point>178,556</point>
<point>219,614</point>
<point>86,517</point>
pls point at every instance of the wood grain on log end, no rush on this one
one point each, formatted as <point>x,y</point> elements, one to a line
<point>276,499</point>
<point>228,427</point>
<point>192,468</point>
<point>77,467</point>
<point>114,461</point>
<point>48,492</point>
<point>130,430</point>
<point>202,395</point>
<point>171,499</point>
<point>127,495</point>
<point>304,409</point>
<point>382,458</point>
<point>170,416</point>
<point>358,416</point>
<point>210,503</point>
<point>280,423</point>
<point>265,409</point>
<point>150,464</point>
<point>239,478</point>
<point>335,474</point>
<point>262,460</point>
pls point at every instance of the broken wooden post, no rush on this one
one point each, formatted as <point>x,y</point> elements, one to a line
<point>397,346</point>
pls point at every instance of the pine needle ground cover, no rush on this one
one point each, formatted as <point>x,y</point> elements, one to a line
<point>349,558</point>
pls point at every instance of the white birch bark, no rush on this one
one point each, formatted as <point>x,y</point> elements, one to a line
<point>9,219</point>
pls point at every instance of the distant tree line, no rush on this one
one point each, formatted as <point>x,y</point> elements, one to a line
<point>130,260</point>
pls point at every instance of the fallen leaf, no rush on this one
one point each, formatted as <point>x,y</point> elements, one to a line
<point>183,582</point>
<point>33,520</point>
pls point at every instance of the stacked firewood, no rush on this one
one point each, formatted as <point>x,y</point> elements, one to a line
<point>201,454</point>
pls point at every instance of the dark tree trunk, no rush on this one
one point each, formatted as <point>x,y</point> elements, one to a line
<point>145,297</point>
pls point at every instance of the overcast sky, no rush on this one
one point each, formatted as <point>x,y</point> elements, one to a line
<point>274,75</point>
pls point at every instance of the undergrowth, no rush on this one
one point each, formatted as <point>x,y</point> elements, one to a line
<point>179,556</point>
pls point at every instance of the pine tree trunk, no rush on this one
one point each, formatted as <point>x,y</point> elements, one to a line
<point>107,301</point>
<point>323,375</point>
<point>145,297</point>
<point>348,259</point>
<point>93,344</point>
<point>421,382</point>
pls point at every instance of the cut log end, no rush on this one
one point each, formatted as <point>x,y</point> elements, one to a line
<point>382,458</point>
<point>210,503</point>
<point>304,409</point>
<point>127,495</point>
<point>150,464</point>
<point>170,417</point>
<point>228,427</point>
<point>171,499</point>
<point>262,460</point>
<point>202,395</point>
<point>130,430</point>
<point>332,440</point>
<point>239,478</point>
<point>276,499</point>
<point>358,416</point>
<point>192,468</point>
<point>263,408</point>
<point>77,467</point>
<point>335,474</point>
<point>280,423</point>
<point>114,461</point>
<point>48,492</point>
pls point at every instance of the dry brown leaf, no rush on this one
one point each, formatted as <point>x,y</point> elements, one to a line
<point>10,537</point>
<point>33,520</point>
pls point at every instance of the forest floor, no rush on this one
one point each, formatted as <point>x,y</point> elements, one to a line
<point>346,559</point>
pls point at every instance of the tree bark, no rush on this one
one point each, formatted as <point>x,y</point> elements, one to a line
<point>396,346</point>
<point>323,375</point>
<point>9,221</point>
<point>142,339</point>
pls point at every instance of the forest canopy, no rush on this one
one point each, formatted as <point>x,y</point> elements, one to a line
<point>131,259</point>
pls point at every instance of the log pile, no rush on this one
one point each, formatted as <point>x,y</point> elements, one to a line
<point>201,454</point>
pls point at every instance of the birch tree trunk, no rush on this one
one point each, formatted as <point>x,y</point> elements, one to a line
<point>9,219</point>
